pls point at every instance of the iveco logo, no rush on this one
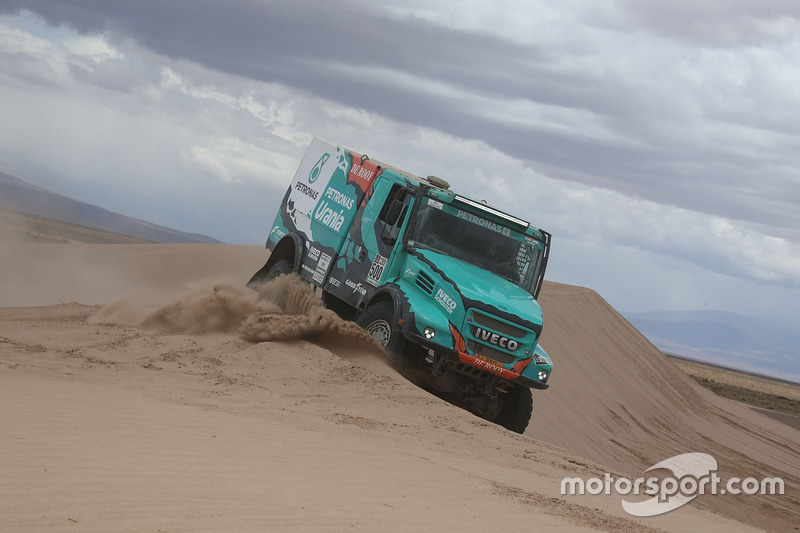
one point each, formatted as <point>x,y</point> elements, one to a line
<point>494,338</point>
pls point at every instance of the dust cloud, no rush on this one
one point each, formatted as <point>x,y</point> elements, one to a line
<point>283,309</point>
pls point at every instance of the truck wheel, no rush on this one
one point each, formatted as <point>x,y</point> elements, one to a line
<point>279,268</point>
<point>277,297</point>
<point>378,320</point>
<point>517,409</point>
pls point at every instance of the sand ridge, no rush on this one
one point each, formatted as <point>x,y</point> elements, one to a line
<point>150,413</point>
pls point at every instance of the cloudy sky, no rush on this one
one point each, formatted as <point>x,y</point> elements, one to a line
<point>657,140</point>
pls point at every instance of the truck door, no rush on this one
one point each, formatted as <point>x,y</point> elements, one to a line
<point>371,242</point>
<point>394,215</point>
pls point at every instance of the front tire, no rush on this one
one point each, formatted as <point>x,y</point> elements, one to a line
<point>517,409</point>
<point>378,320</point>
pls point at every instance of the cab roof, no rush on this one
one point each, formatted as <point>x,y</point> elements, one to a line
<point>437,190</point>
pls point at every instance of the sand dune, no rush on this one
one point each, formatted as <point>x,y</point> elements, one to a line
<point>142,388</point>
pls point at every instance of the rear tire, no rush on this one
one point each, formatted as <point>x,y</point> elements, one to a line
<point>278,269</point>
<point>278,297</point>
<point>378,320</point>
<point>517,409</point>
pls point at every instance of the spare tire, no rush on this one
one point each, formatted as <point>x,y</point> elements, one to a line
<point>517,409</point>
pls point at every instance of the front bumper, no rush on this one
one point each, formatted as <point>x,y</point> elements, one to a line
<point>479,363</point>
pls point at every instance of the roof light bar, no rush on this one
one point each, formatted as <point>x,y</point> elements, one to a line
<point>493,211</point>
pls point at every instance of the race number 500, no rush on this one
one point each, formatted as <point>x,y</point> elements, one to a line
<point>376,270</point>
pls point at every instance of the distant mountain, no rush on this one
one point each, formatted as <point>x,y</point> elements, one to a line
<point>20,196</point>
<point>19,227</point>
<point>726,339</point>
<point>699,334</point>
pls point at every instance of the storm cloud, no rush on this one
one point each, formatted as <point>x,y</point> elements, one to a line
<point>677,120</point>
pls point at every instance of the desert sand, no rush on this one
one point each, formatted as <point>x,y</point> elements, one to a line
<point>143,388</point>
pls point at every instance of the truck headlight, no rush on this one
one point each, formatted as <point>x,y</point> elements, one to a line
<point>542,375</point>
<point>429,332</point>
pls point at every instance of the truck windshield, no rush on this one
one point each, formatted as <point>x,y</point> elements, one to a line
<point>478,241</point>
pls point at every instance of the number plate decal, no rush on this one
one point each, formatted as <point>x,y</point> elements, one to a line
<point>376,270</point>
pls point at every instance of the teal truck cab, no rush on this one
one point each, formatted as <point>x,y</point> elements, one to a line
<point>444,283</point>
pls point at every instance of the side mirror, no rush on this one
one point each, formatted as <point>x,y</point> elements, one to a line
<point>394,212</point>
<point>390,229</point>
<point>388,238</point>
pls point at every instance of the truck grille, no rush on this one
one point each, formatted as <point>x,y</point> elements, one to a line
<point>498,326</point>
<point>492,353</point>
<point>425,282</point>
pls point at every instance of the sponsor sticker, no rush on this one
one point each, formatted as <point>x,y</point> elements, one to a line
<point>491,367</point>
<point>363,173</point>
<point>376,270</point>
<point>482,222</point>
<point>322,268</point>
<point>306,190</point>
<point>357,287</point>
<point>327,213</point>
<point>310,181</point>
<point>340,198</point>
<point>435,203</point>
<point>313,252</point>
<point>335,282</point>
<point>314,174</point>
<point>488,360</point>
<point>445,301</point>
<point>277,232</point>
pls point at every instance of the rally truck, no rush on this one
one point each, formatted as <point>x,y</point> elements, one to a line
<point>444,283</point>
